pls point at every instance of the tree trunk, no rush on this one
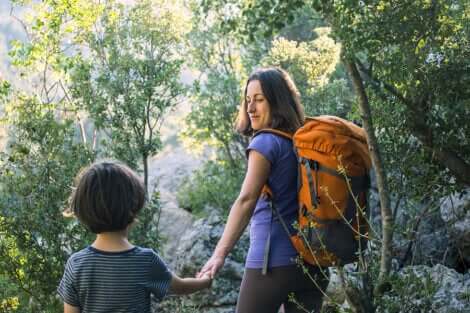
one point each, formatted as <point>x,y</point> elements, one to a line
<point>386,212</point>
<point>229,154</point>
<point>145,161</point>
<point>82,130</point>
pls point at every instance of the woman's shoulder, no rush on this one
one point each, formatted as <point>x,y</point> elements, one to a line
<point>273,146</point>
<point>265,140</point>
<point>276,141</point>
<point>271,136</point>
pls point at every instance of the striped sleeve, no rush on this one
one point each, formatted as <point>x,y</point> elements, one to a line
<point>66,289</point>
<point>160,277</point>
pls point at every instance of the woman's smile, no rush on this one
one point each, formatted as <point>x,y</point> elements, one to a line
<point>257,105</point>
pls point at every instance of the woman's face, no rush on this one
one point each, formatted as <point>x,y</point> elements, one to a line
<point>257,106</point>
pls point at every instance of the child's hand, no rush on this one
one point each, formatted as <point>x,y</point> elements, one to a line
<point>206,280</point>
<point>184,286</point>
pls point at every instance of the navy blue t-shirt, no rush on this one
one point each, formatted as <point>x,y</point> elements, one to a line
<point>283,182</point>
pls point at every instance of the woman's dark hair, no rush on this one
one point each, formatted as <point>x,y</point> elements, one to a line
<point>107,197</point>
<point>287,113</point>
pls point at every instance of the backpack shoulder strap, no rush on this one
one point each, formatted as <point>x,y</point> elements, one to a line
<point>273,131</point>
<point>268,193</point>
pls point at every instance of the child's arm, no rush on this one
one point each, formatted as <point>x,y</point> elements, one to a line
<point>180,286</point>
<point>70,309</point>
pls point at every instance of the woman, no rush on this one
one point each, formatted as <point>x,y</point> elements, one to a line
<point>271,101</point>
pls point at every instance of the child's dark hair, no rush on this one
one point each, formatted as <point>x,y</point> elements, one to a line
<point>107,197</point>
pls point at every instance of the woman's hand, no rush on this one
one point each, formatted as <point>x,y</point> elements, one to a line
<point>212,266</point>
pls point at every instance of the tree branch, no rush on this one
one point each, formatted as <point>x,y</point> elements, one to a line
<point>425,134</point>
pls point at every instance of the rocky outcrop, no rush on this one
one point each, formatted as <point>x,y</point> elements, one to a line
<point>416,288</point>
<point>455,211</point>
<point>196,246</point>
<point>167,170</point>
<point>425,240</point>
<point>421,235</point>
<point>437,289</point>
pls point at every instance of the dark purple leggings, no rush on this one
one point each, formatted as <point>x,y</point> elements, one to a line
<point>265,293</point>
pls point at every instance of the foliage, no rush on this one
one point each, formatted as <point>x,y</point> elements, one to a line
<point>176,305</point>
<point>407,291</point>
<point>55,31</point>
<point>213,113</point>
<point>35,180</point>
<point>145,231</point>
<point>225,55</point>
<point>122,64</point>
<point>9,301</point>
<point>215,96</point>
<point>413,176</point>
<point>216,54</point>
<point>418,61</point>
<point>312,65</point>
<point>215,185</point>
<point>44,150</point>
<point>4,89</point>
<point>131,77</point>
<point>302,27</point>
<point>415,294</point>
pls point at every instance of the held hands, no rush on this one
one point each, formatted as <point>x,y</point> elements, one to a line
<point>212,266</point>
<point>206,280</point>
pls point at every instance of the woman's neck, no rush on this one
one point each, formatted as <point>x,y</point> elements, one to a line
<point>112,241</point>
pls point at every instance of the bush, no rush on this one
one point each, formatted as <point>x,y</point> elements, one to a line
<point>215,185</point>
<point>36,174</point>
<point>144,232</point>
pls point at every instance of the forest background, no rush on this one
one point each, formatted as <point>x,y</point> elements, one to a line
<point>85,80</point>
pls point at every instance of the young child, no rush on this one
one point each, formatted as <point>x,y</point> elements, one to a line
<point>112,275</point>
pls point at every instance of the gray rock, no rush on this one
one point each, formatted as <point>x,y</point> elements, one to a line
<point>335,291</point>
<point>196,246</point>
<point>422,237</point>
<point>451,289</point>
<point>419,288</point>
<point>432,244</point>
<point>455,211</point>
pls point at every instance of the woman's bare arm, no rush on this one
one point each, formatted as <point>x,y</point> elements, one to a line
<point>241,211</point>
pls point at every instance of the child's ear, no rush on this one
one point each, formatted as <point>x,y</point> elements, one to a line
<point>131,224</point>
<point>132,219</point>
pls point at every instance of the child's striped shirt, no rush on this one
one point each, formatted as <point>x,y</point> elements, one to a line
<point>100,281</point>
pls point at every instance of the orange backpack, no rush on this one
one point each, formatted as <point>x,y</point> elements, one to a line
<point>331,225</point>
